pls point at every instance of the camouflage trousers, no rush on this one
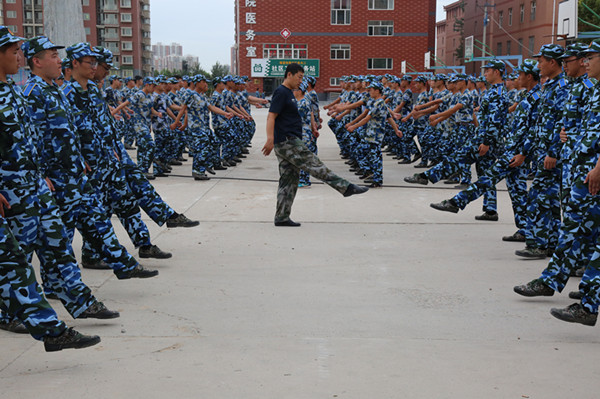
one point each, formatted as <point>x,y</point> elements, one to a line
<point>128,132</point>
<point>112,189</point>
<point>543,207</point>
<point>310,141</point>
<point>294,156</point>
<point>81,210</point>
<point>146,148</point>
<point>578,241</point>
<point>35,220</point>
<point>162,140</point>
<point>515,182</point>
<point>20,294</point>
<point>455,162</point>
<point>203,148</point>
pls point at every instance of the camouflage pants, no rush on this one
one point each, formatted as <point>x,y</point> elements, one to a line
<point>81,210</point>
<point>293,156</point>
<point>578,234</point>
<point>128,132</point>
<point>226,141</point>
<point>20,294</point>
<point>201,149</point>
<point>543,207</point>
<point>515,182</point>
<point>145,150</point>
<point>36,223</point>
<point>162,138</point>
<point>310,141</point>
<point>468,156</point>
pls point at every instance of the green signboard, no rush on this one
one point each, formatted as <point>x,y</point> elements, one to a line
<point>275,68</point>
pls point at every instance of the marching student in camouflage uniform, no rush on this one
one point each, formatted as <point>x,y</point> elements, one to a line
<point>482,149</point>
<point>544,145</point>
<point>309,127</point>
<point>284,134</point>
<point>221,125</point>
<point>62,163</point>
<point>142,105</point>
<point>414,124</point>
<point>129,133</point>
<point>33,215</point>
<point>374,120</point>
<point>525,117</point>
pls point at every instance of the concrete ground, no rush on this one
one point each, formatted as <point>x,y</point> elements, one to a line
<point>375,296</point>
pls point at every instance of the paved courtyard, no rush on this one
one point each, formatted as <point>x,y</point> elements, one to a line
<point>376,296</point>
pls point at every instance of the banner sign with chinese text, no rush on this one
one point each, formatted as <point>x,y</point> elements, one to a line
<point>275,67</point>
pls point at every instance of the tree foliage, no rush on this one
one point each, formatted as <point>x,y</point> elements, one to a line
<point>588,22</point>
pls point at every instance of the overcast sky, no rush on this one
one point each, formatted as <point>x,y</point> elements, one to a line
<point>205,28</point>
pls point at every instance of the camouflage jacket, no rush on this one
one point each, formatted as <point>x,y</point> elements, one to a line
<point>524,116</point>
<point>59,146</point>
<point>492,115</point>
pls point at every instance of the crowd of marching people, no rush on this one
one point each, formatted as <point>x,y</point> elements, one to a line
<point>540,122</point>
<point>64,164</point>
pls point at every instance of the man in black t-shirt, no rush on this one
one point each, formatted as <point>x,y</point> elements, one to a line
<point>284,134</point>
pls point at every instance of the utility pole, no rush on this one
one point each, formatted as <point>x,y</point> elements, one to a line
<point>485,23</point>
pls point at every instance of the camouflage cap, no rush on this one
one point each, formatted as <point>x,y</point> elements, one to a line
<point>105,56</point>
<point>6,36</point>
<point>80,50</point>
<point>66,63</point>
<point>112,78</point>
<point>227,78</point>
<point>127,80</point>
<point>495,64</point>
<point>481,79</point>
<point>461,76</point>
<point>553,51</point>
<point>303,86</point>
<point>421,79</point>
<point>408,78</point>
<point>149,81</point>
<point>198,78</point>
<point>375,85</point>
<point>529,66</point>
<point>311,80</point>
<point>594,47</point>
<point>440,76</point>
<point>575,50</point>
<point>39,43</point>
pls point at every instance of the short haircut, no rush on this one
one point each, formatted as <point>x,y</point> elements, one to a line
<point>137,77</point>
<point>293,68</point>
<point>559,61</point>
<point>4,48</point>
<point>36,55</point>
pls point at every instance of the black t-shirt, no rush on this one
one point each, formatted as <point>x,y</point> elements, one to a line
<point>288,122</point>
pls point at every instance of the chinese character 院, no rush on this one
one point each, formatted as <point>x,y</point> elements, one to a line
<point>250,17</point>
<point>251,51</point>
<point>250,34</point>
<point>250,3</point>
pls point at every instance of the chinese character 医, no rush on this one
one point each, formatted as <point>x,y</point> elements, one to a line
<point>250,17</point>
<point>250,3</point>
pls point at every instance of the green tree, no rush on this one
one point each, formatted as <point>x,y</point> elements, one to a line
<point>589,21</point>
<point>219,70</point>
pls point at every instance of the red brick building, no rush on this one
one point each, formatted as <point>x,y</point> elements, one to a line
<point>335,37</point>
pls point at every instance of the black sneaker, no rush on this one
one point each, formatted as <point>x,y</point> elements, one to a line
<point>375,185</point>
<point>446,206</point>
<point>98,311</point>
<point>416,179</point>
<point>138,272</point>
<point>579,272</point>
<point>70,339</point>
<point>152,251</point>
<point>287,223</point>
<point>489,217</point>
<point>129,147</point>
<point>210,170</point>
<point>149,176</point>
<point>404,161</point>
<point>220,167</point>
<point>94,264</point>
<point>576,295</point>
<point>575,313</point>
<point>175,162</point>
<point>181,221</point>
<point>534,288</point>
<point>200,176</point>
<point>422,165</point>
<point>353,189</point>
<point>14,326</point>
<point>531,253</point>
<point>451,181</point>
<point>517,237</point>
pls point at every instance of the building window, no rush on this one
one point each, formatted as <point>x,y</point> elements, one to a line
<point>508,47</point>
<point>11,2</point>
<point>340,51</point>
<point>522,13</point>
<point>127,32</point>
<point>499,49</point>
<point>510,17</point>
<point>294,51</point>
<point>500,18</point>
<point>521,47</point>
<point>127,60</point>
<point>86,16</point>
<point>87,31</point>
<point>340,12</point>
<point>334,81</point>
<point>126,17</point>
<point>126,3</point>
<point>110,5</point>
<point>110,19</point>
<point>533,7</point>
<point>12,28</point>
<point>381,28</point>
<point>84,3</point>
<point>380,63</point>
<point>381,4</point>
<point>11,14</point>
<point>127,46</point>
<point>531,44</point>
